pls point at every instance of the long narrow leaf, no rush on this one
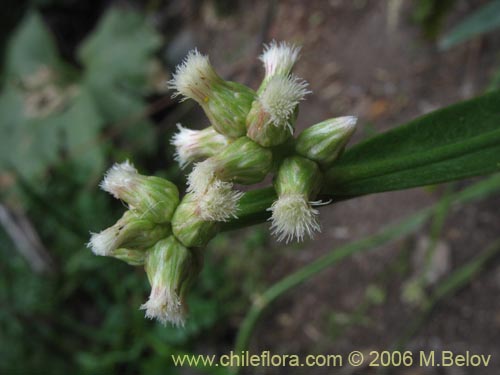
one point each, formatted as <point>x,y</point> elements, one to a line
<point>456,142</point>
<point>485,19</point>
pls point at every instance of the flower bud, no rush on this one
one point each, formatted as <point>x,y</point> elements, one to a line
<point>171,269</point>
<point>196,145</point>
<point>324,142</point>
<point>278,59</point>
<point>153,197</point>
<point>297,183</point>
<point>272,116</point>
<point>132,231</point>
<point>225,103</point>
<point>187,225</point>
<point>242,161</point>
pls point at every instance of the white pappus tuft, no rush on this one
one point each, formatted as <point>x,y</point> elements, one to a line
<point>220,202</point>
<point>184,141</point>
<point>201,177</point>
<point>279,58</point>
<point>165,305</point>
<point>103,243</point>
<point>280,98</point>
<point>193,77</point>
<point>293,217</point>
<point>118,178</point>
<point>192,145</point>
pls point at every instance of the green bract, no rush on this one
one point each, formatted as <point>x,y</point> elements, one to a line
<point>298,175</point>
<point>132,231</point>
<point>130,256</point>
<point>227,108</point>
<point>188,227</point>
<point>243,161</point>
<point>324,142</point>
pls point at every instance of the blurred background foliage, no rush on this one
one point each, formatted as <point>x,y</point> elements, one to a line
<point>70,105</point>
<point>62,122</point>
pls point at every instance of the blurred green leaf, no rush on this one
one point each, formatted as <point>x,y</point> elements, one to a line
<point>120,48</point>
<point>485,19</point>
<point>30,47</point>
<point>44,118</point>
<point>28,145</point>
<point>81,124</point>
<point>123,110</point>
<point>430,14</point>
<point>31,144</point>
<point>117,58</point>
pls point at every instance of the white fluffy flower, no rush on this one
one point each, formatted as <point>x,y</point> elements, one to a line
<point>184,142</point>
<point>201,177</point>
<point>293,217</point>
<point>279,58</point>
<point>119,178</point>
<point>280,97</point>
<point>165,305</point>
<point>192,145</point>
<point>220,202</point>
<point>217,200</point>
<point>193,77</point>
<point>103,243</point>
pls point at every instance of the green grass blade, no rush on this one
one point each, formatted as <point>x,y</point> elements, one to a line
<point>483,20</point>
<point>453,143</point>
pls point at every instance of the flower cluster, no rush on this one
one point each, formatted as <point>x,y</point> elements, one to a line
<point>251,135</point>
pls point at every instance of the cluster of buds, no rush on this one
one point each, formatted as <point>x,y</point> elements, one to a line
<point>251,135</point>
<point>143,237</point>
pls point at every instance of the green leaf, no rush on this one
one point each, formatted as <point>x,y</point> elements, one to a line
<point>28,145</point>
<point>430,14</point>
<point>120,48</point>
<point>31,144</point>
<point>123,109</point>
<point>33,139</point>
<point>117,58</point>
<point>81,124</point>
<point>483,20</point>
<point>453,143</point>
<point>30,47</point>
